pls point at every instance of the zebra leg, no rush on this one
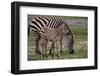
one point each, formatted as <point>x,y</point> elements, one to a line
<point>57,48</point>
<point>37,50</point>
<point>61,44</point>
<point>45,50</point>
<point>53,47</point>
<point>50,51</point>
<point>41,48</point>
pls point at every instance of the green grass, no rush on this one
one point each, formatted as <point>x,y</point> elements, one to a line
<point>80,47</point>
<point>79,30</point>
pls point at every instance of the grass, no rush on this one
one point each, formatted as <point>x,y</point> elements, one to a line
<point>80,47</point>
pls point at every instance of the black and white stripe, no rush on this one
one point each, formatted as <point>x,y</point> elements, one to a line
<point>39,22</point>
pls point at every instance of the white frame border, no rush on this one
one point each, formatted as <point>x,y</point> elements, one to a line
<point>24,64</point>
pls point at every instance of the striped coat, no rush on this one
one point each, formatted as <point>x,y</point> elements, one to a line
<point>49,29</point>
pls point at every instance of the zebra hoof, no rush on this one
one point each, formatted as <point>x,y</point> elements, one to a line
<point>38,52</point>
<point>58,55</point>
<point>61,51</point>
<point>71,52</point>
<point>46,56</point>
<point>52,56</point>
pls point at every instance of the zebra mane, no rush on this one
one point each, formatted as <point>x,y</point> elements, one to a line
<point>69,30</point>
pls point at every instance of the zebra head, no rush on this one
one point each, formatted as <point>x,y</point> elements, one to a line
<point>70,40</point>
<point>70,43</point>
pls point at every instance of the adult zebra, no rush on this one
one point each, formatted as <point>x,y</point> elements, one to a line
<point>51,29</point>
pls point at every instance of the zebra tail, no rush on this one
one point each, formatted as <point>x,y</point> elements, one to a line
<point>28,30</point>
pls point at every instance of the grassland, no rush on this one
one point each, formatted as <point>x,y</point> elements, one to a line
<point>80,47</point>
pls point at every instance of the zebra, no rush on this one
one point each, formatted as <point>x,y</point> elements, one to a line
<point>50,35</point>
<point>43,25</point>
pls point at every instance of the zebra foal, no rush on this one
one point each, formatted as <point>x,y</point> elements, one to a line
<point>50,35</point>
